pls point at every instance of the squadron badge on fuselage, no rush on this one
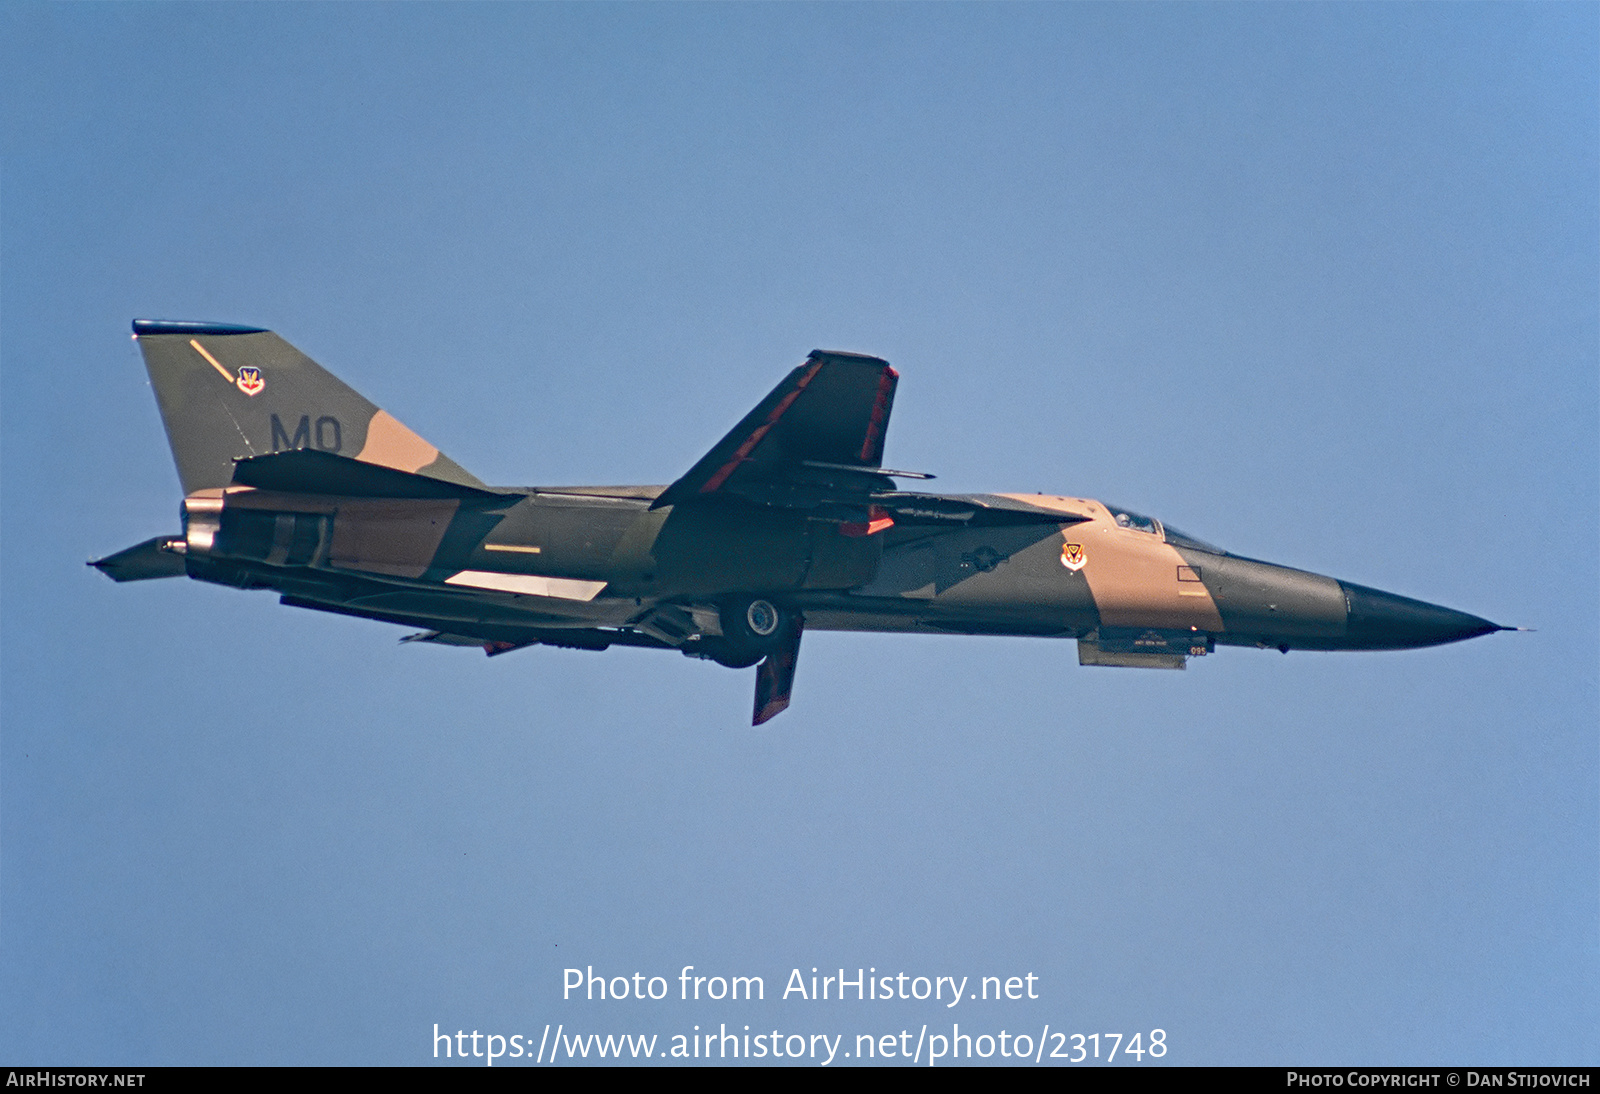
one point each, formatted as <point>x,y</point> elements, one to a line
<point>1072,556</point>
<point>250,381</point>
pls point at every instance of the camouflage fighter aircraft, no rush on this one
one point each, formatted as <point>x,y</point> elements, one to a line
<point>294,482</point>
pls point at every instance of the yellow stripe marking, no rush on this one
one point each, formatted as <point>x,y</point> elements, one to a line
<point>201,350</point>
<point>1192,592</point>
<point>509,547</point>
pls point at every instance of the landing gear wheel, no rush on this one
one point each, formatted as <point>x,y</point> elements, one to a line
<point>752,628</point>
<point>762,618</point>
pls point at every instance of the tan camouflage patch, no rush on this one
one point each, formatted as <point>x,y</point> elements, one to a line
<point>1135,580</point>
<point>390,444</point>
<point>381,536</point>
<point>1075,507</point>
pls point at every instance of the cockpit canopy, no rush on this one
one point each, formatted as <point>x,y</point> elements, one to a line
<point>1127,518</point>
<point>1138,522</point>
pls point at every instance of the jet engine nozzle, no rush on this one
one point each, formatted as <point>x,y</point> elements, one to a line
<point>202,521</point>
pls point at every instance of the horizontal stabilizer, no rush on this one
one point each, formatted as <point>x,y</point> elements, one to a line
<point>307,471</point>
<point>492,647</point>
<point>451,632</point>
<point>144,562</point>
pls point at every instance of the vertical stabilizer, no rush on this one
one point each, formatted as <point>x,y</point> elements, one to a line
<point>227,392</point>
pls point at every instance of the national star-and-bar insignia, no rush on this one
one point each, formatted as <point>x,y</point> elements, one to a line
<point>1072,556</point>
<point>250,381</point>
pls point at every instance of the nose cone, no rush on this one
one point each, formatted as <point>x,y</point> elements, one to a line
<point>1383,621</point>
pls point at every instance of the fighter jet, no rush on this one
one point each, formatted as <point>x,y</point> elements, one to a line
<point>295,483</point>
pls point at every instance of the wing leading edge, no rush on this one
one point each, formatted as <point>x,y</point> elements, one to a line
<point>821,429</point>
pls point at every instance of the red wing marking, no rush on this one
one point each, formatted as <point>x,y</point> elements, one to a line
<point>879,412</point>
<point>744,450</point>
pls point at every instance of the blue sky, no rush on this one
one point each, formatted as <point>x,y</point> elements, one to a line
<point>1315,282</point>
